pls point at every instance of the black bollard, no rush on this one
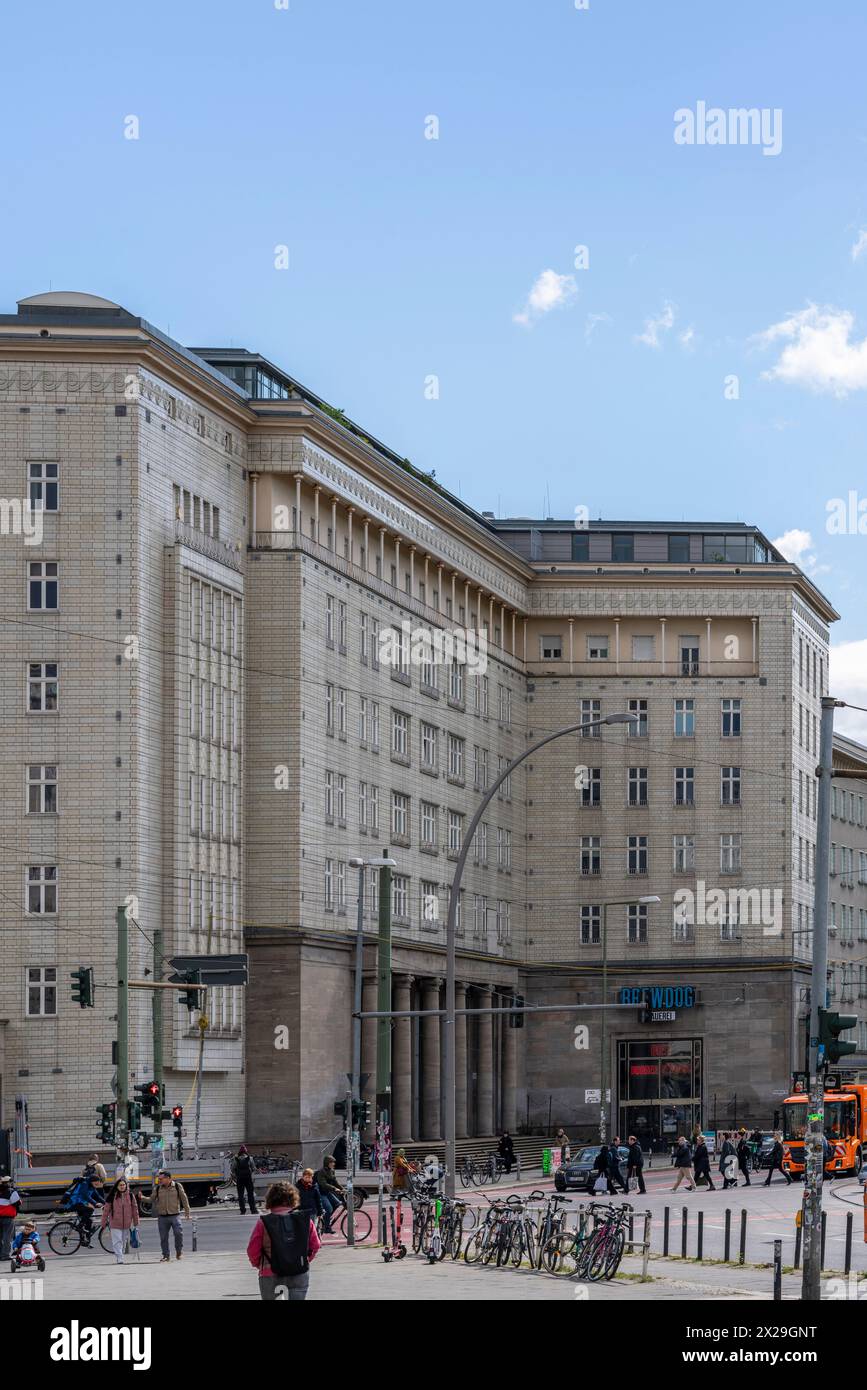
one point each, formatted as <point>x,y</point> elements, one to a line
<point>743,1251</point>
<point>665,1233</point>
<point>683,1234</point>
<point>700,1235</point>
<point>728,1235</point>
<point>778,1270</point>
<point>848,1264</point>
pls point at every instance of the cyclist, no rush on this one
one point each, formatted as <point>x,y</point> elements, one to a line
<point>310,1198</point>
<point>81,1197</point>
<point>330,1191</point>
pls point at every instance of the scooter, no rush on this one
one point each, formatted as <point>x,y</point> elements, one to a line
<point>396,1250</point>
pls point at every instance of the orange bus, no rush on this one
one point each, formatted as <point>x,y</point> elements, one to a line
<point>845,1128</point>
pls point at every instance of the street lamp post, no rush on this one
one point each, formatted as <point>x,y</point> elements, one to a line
<point>449,1107</point>
<point>622,902</point>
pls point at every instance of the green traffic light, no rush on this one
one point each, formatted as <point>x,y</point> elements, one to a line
<point>831,1025</point>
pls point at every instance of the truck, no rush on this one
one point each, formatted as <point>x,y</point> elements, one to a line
<point>845,1126</point>
<point>41,1187</point>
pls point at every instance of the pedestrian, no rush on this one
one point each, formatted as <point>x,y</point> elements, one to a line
<point>602,1169</point>
<point>635,1164</point>
<point>169,1199</point>
<point>506,1150</point>
<point>309,1196</point>
<point>244,1180</point>
<point>683,1164</point>
<point>121,1215</point>
<point>777,1160</point>
<point>330,1191</point>
<point>728,1164</point>
<point>701,1163</point>
<point>282,1244</point>
<point>614,1164</point>
<point>744,1155</point>
<point>10,1201</point>
<point>561,1142</point>
<point>401,1174</point>
<point>340,1152</point>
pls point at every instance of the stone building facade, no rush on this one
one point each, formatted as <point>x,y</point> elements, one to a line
<point>233,555</point>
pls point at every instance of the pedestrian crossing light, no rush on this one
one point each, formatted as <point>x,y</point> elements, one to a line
<point>106,1122</point>
<point>82,986</point>
<point>831,1025</point>
<point>360,1114</point>
<point>151,1099</point>
<point>178,1122</point>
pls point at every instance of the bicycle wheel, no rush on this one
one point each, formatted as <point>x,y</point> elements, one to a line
<point>65,1237</point>
<point>491,1246</point>
<point>559,1255</point>
<point>615,1254</point>
<point>599,1257</point>
<point>474,1248</point>
<point>465,1176</point>
<point>427,1233</point>
<point>585,1255</point>
<point>457,1238</point>
<point>519,1243</point>
<point>363,1225</point>
<point>494,1173</point>
<point>419,1217</point>
<point>504,1243</point>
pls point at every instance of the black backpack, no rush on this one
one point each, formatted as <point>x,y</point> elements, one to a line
<point>285,1246</point>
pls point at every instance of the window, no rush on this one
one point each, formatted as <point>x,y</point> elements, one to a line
<point>480,767</point>
<point>731,718</point>
<point>340,796</point>
<point>362,805</point>
<point>329,708</point>
<point>374,724</point>
<point>340,885</point>
<point>643,649</point>
<point>729,927</point>
<point>504,848</point>
<point>590,924</point>
<point>580,545</point>
<point>42,687</point>
<point>400,815</point>
<point>729,854</point>
<point>42,991</point>
<point>636,854</point>
<point>590,854</point>
<point>374,644</point>
<point>591,710</point>
<point>551,648</point>
<point>684,718</point>
<point>622,547</point>
<point>364,639</point>
<point>636,923</point>
<point>504,922</point>
<point>504,704</point>
<point>456,757</point>
<point>44,486</point>
<point>41,789</point>
<point>400,897</point>
<point>41,889</point>
<point>42,586</point>
<point>638,727</point>
<point>429,734</point>
<point>456,682</point>
<point>329,885</point>
<point>689,656</point>
<point>429,677</point>
<point>399,734</point>
<point>429,902</point>
<point>480,916</point>
<point>684,786</point>
<point>329,794</point>
<point>506,784</point>
<point>428,824</point>
<point>597,648</point>
<point>637,786</point>
<point>341,626</point>
<point>683,848</point>
<point>591,793</point>
<point>678,549</point>
<point>456,832</point>
<point>341,712</point>
<point>479,845</point>
<point>329,620</point>
<point>730,786</point>
<point>373,809</point>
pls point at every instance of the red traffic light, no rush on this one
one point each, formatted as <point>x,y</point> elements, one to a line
<point>177,1112</point>
<point>153,1088</point>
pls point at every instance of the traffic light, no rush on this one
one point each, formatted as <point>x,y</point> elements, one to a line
<point>191,997</point>
<point>178,1122</point>
<point>106,1122</point>
<point>340,1108</point>
<point>517,1020</point>
<point>82,987</point>
<point>151,1098</point>
<point>831,1025</point>
<point>360,1114</point>
<point>133,1116</point>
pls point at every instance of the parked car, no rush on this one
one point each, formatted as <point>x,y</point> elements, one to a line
<point>579,1171</point>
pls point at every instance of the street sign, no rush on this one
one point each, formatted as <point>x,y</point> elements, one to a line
<point>213,970</point>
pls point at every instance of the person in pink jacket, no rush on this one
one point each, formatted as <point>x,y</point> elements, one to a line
<point>121,1215</point>
<point>283,1243</point>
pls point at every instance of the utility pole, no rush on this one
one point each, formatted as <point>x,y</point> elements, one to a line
<point>811,1218</point>
<point>383,1003</point>
<point>157,1022</point>
<point>121,1135</point>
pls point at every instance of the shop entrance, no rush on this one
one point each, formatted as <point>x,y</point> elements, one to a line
<point>660,1090</point>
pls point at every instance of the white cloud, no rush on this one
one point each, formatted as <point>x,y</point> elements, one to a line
<point>687,338</point>
<point>590,324</point>
<point>860,245</point>
<point>819,353</point>
<point>849,682</point>
<point>654,326</point>
<point>798,547</point>
<point>550,291</point>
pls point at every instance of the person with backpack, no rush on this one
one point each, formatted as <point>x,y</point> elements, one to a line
<point>282,1244</point>
<point>244,1180</point>
<point>81,1197</point>
<point>168,1199</point>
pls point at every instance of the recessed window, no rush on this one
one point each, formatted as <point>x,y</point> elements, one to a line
<point>643,648</point>
<point>42,991</point>
<point>41,789</point>
<point>41,889</point>
<point>730,711</point>
<point>597,648</point>
<point>623,547</point>
<point>688,656</point>
<point>684,718</point>
<point>44,486</point>
<point>580,545</point>
<point>42,687</point>
<point>42,585</point>
<point>552,648</point>
<point>678,549</point>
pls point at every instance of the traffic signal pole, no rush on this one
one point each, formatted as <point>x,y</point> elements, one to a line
<point>157,1021</point>
<point>811,1217</point>
<point>383,1005</point>
<point>121,1132</point>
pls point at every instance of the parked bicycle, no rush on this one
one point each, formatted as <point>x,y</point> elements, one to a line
<point>594,1251</point>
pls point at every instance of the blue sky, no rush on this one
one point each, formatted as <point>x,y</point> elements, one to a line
<point>412,257</point>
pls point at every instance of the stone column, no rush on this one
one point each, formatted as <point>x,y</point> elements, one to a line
<point>460,1062</point>
<point>368,1051</point>
<point>485,1061</point>
<point>510,1068</point>
<point>401,1063</point>
<point>430,1062</point>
